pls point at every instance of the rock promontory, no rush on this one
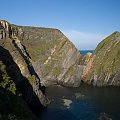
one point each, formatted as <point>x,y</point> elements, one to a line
<point>103,66</point>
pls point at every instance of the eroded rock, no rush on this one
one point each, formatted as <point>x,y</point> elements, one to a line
<point>19,66</point>
<point>103,67</point>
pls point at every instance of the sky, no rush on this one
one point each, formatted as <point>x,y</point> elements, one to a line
<point>84,22</point>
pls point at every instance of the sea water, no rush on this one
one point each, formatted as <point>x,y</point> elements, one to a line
<point>83,103</point>
<point>86,51</point>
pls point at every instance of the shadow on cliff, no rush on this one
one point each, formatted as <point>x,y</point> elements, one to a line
<point>29,64</point>
<point>13,106</point>
<point>27,60</point>
<point>22,84</point>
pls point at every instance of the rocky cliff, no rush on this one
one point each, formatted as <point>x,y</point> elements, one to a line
<point>19,68</point>
<point>33,58</point>
<point>12,105</point>
<point>103,67</point>
<point>54,58</point>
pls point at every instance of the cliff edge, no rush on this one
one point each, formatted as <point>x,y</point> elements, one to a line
<point>103,67</point>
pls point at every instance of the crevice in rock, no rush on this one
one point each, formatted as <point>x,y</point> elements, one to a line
<point>27,60</point>
<point>26,51</point>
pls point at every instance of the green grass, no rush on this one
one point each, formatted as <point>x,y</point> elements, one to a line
<point>107,58</point>
<point>105,41</point>
<point>56,70</point>
<point>31,79</point>
<point>5,80</point>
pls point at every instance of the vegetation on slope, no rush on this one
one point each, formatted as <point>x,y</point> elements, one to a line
<point>12,106</point>
<point>103,67</point>
<point>107,55</point>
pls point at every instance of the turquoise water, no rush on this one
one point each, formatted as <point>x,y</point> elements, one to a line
<point>91,103</point>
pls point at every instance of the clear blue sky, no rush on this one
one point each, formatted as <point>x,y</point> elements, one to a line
<point>84,22</point>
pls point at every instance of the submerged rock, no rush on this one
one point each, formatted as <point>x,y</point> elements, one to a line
<point>67,102</point>
<point>104,116</point>
<point>79,96</point>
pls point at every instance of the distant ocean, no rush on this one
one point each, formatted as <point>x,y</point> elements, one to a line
<point>86,51</point>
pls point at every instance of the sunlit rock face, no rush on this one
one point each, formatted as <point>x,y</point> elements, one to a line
<point>35,57</point>
<point>103,67</point>
<point>54,57</point>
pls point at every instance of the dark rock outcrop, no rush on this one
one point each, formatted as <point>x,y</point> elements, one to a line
<point>103,67</point>
<point>12,105</point>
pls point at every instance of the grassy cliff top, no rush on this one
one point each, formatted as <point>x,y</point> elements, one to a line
<point>107,54</point>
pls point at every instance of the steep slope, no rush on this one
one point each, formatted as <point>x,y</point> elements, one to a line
<point>103,67</point>
<point>34,57</point>
<point>12,106</point>
<point>19,67</point>
<point>54,57</point>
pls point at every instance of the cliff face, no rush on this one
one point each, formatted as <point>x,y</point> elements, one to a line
<point>103,67</point>
<point>45,56</point>
<point>12,105</point>
<point>34,57</point>
<point>44,51</point>
<point>19,66</point>
<point>54,57</point>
